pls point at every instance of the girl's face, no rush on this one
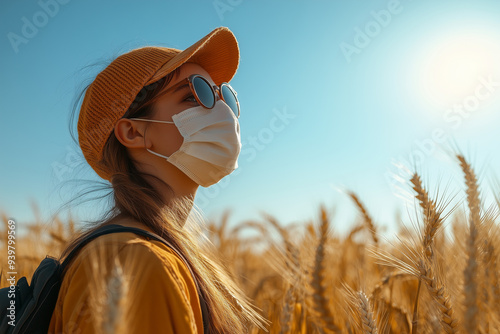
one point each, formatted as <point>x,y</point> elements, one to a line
<point>166,138</point>
<point>162,138</point>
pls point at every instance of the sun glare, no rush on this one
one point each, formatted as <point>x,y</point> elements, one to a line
<point>452,69</point>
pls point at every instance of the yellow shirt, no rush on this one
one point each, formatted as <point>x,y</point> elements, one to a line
<point>161,294</point>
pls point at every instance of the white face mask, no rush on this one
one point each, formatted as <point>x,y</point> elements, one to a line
<point>211,143</point>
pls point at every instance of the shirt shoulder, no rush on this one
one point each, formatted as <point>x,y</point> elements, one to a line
<point>152,283</point>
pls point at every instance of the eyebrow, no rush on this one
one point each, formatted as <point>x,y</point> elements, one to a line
<point>181,87</point>
<point>178,86</point>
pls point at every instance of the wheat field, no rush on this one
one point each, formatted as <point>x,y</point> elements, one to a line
<point>307,278</point>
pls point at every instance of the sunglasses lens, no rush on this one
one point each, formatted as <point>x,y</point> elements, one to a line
<point>230,98</point>
<point>204,92</point>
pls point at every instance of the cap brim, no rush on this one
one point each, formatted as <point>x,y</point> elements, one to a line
<point>217,53</point>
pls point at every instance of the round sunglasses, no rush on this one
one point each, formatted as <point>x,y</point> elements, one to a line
<point>204,92</point>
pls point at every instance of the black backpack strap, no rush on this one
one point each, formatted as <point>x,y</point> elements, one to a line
<point>114,228</point>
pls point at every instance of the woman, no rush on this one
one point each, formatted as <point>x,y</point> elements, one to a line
<point>156,123</point>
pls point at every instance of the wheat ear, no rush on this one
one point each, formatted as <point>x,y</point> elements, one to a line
<point>366,217</point>
<point>365,310</point>
<point>287,314</point>
<point>432,216</point>
<point>440,294</point>
<point>117,288</point>
<point>319,295</point>
<point>470,280</point>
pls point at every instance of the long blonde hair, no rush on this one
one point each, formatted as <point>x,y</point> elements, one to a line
<point>180,221</point>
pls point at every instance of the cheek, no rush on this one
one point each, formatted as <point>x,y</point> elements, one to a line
<point>167,141</point>
<point>177,139</point>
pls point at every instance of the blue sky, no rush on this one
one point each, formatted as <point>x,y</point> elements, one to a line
<point>334,95</point>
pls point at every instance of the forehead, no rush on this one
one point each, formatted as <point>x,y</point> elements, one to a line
<point>187,69</point>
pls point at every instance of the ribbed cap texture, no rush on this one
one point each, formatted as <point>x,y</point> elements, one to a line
<point>115,88</point>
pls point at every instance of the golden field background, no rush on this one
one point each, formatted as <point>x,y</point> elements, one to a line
<point>306,278</point>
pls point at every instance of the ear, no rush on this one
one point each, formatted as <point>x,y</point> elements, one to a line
<point>131,133</point>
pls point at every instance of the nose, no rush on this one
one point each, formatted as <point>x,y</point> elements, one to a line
<point>218,95</point>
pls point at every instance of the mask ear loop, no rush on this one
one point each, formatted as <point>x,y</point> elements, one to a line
<point>147,149</point>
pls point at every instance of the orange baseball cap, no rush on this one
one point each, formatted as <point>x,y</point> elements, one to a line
<point>114,89</point>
